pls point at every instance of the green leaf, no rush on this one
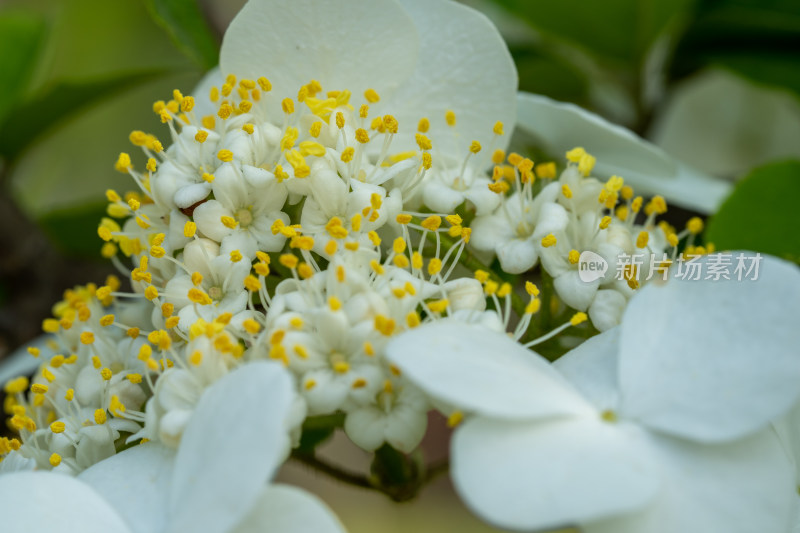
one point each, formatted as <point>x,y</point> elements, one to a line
<point>550,76</point>
<point>758,39</point>
<point>74,231</point>
<point>187,27</point>
<point>761,213</point>
<point>21,38</point>
<point>618,30</point>
<point>60,101</point>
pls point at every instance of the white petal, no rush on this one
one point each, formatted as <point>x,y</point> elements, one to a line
<point>742,487</point>
<point>561,127</point>
<point>34,502</point>
<point>713,360</point>
<point>191,194</point>
<point>464,66</point>
<point>488,231</point>
<point>607,308</point>
<point>342,44</point>
<point>575,292</point>
<point>286,509</point>
<point>592,369</point>
<point>136,483</point>
<point>442,198</point>
<point>548,474</point>
<point>202,103</point>
<point>230,448</point>
<point>484,371</point>
<point>517,255</point>
<point>208,217</point>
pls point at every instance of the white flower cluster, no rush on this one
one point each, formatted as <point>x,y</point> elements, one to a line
<point>312,244</point>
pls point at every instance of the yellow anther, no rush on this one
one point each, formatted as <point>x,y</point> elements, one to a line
<point>226,156</point>
<point>399,245</point>
<point>334,303</point>
<point>573,257</point>
<point>577,318</point>
<point>107,320</point>
<point>642,239</point>
<point>614,184</point>
<point>434,266</point>
<point>373,238</point>
<point>504,290</point>
<point>499,187</point>
<point>341,367</point>
<point>659,205</point>
<point>549,240</point>
<point>339,120</point>
<point>106,374</point>
<point>39,388</point>
<point>566,191</point>
<point>309,384</point>
<point>123,163</point>
<point>287,105</point>
<point>199,297</point>
<point>228,222</point>
<point>187,104</point>
<point>390,123</point>
<point>586,164</point>
<point>55,460</point>
<point>636,205</point>
<point>151,293</point>
<point>384,325</point>
<point>288,260</point>
<point>672,239</point>
<point>87,337</point>
<point>400,261</point>
<point>455,418</point>
<point>347,154</point>
<point>475,147</point>
<point>450,117</point>
<point>58,427</point>
<point>432,223</point>
<point>605,222</point>
<point>96,362</point>
<point>248,128</point>
<point>57,360</point>
<point>209,122</point>
<point>695,225</point>
<point>225,111</point>
<point>264,83</point>
<point>134,378</point>
<point>371,96</point>
<point>16,385</point>
<point>575,155</point>
<point>438,306</point>
<point>252,284</point>
<point>100,416</point>
<point>236,256</point>
<point>172,322</point>
<point>482,276</point>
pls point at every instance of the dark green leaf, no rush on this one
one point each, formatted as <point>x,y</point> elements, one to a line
<point>758,39</point>
<point>550,76</point>
<point>74,230</point>
<point>21,38</point>
<point>187,27</point>
<point>28,121</point>
<point>761,213</point>
<point>618,30</point>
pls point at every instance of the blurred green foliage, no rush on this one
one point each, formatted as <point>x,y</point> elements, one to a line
<point>75,78</point>
<point>761,214</point>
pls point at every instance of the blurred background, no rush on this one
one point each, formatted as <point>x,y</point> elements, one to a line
<point>715,83</point>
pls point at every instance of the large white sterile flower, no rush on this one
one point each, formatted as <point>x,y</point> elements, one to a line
<point>433,57</point>
<point>660,425</point>
<point>559,127</point>
<point>215,482</point>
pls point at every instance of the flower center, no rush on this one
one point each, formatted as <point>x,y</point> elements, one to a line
<point>245,217</point>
